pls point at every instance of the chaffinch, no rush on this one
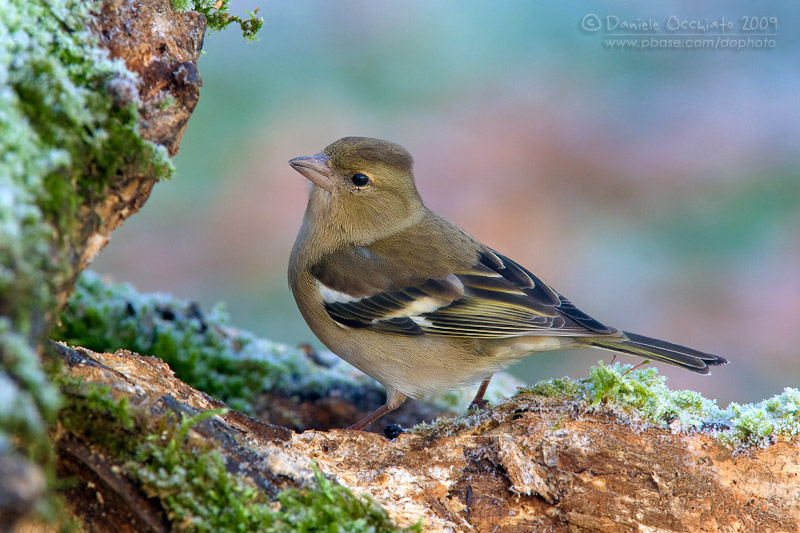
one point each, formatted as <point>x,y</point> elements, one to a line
<point>413,300</point>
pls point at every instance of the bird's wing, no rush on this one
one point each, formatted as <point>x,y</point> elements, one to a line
<point>493,298</point>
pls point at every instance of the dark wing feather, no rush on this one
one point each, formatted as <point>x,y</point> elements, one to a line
<point>493,298</point>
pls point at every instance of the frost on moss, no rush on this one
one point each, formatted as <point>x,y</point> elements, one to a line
<point>758,424</point>
<point>643,391</point>
<point>62,137</point>
<point>231,365</point>
<point>640,395</point>
<point>643,394</point>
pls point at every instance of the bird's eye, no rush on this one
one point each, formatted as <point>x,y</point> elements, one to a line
<point>360,180</point>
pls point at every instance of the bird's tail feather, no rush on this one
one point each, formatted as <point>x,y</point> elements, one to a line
<point>658,350</point>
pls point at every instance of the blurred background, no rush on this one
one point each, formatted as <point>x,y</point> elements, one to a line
<point>657,189</point>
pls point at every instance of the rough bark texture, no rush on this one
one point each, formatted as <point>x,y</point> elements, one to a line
<point>161,46</point>
<point>536,465</point>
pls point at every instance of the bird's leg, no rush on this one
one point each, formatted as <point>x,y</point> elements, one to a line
<point>393,401</point>
<point>478,402</point>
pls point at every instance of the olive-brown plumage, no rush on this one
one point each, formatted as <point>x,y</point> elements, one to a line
<point>414,301</point>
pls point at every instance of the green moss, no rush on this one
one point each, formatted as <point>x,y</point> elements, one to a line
<point>759,424</point>
<point>638,392</point>
<point>331,507</point>
<point>62,138</point>
<point>200,494</point>
<point>640,395</point>
<point>89,408</point>
<point>65,134</point>
<point>236,366</point>
<point>27,399</point>
<point>192,483</point>
<point>644,392</point>
<point>194,486</point>
<point>218,18</point>
<point>232,366</point>
<point>555,388</point>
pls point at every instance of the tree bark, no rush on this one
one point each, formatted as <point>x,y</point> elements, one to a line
<point>167,93</point>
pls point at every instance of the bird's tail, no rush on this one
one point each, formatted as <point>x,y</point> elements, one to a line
<point>658,350</point>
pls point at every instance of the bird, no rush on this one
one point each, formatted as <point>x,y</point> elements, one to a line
<point>414,301</point>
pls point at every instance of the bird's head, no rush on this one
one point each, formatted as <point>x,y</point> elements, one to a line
<point>363,188</point>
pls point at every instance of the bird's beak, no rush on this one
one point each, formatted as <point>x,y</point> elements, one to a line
<point>316,168</point>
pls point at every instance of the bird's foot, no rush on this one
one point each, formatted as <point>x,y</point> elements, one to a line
<point>392,431</point>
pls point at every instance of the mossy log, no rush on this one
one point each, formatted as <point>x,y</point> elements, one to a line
<point>534,463</point>
<point>96,96</point>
